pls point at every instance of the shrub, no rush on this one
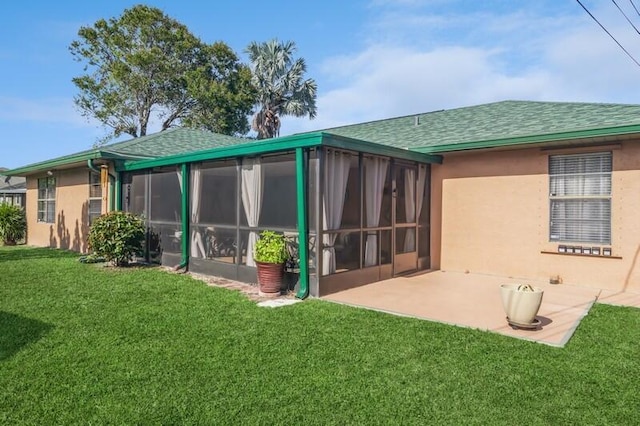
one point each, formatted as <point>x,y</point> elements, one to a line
<point>13,223</point>
<point>117,236</point>
<point>271,248</point>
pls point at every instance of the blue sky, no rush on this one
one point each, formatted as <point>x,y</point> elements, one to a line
<point>371,58</point>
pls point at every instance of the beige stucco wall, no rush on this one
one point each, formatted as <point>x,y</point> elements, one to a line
<point>490,214</point>
<point>71,226</point>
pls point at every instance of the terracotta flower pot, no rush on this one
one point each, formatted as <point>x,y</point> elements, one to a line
<point>521,307</point>
<point>270,277</point>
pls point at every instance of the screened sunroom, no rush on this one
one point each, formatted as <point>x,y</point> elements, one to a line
<point>352,212</point>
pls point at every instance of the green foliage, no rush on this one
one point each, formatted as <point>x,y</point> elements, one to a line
<point>271,247</point>
<point>146,61</point>
<point>222,93</point>
<point>281,90</point>
<point>13,223</point>
<point>117,236</point>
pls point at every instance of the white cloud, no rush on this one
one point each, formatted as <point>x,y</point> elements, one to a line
<point>520,56</point>
<point>390,82</point>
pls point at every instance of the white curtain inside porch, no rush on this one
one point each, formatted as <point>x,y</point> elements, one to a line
<point>252,190</point>
<point>336,175</point>
<point>413,198</point>
<point>197,243</point>
<point>375,170</point>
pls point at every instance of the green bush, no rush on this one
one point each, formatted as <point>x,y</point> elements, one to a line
<point>271,247</point>
<point>13,223</point>
<point>117,236</point>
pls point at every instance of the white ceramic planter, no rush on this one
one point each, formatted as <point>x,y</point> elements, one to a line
<point>521,307</point>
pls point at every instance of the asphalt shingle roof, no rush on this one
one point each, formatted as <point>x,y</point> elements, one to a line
<point>440,130</point>
<point>14,184</point>
<point>179,140</point>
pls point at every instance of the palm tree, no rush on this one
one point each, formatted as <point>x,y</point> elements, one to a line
<point>279,82</point>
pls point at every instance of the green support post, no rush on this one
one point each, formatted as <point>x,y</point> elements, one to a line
<point>185,216</point>
<point>118,191</point>
<point>112,192</point>
<point>303,235</point>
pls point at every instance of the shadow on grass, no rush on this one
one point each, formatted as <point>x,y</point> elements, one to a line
<point>13,253</point>
<point>17,332</point>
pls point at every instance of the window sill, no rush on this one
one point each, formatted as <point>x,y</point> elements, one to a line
<point>599,256</point>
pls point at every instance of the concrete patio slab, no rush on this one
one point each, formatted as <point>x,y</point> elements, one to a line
<point>620,298</point>
<point>473,300</point>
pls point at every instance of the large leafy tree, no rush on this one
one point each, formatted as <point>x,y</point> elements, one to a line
<point>144,66</point>
<point>281,88</point>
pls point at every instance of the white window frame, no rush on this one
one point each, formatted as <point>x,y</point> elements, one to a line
<point>95,198</point>
<point>580,198</point>
<point>47,199</point>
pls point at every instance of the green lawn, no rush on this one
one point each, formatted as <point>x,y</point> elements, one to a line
<point>90,345</point>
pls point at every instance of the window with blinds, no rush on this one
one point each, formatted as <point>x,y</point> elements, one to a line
<point>580,197</point>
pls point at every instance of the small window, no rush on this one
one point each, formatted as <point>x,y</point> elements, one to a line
<point>47,200</point>
<point>95,196</point>
<point>580,198</point>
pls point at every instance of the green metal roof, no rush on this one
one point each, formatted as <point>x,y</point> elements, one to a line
<point>161,144</point>
<point>281,144</point>
<point>497,124</point>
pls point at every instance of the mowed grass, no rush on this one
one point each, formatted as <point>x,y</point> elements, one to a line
<point>84,344</point>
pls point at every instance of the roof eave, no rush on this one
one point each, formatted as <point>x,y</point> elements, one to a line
<point>63,161</point>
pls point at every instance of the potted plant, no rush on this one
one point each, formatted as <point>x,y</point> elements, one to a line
<point>270,254</point>
<point>521,303</point>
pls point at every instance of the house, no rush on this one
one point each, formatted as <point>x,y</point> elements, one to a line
<point>538,190</point>
<point>12,189</point>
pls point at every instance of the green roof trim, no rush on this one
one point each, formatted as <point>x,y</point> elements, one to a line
<point>63,161</point>
<point>247,148</point>
<point>342,142</point>
<point>286,143</point>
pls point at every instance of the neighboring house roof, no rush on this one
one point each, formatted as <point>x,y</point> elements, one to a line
<point>161,144</point>
<point>12,184</point>
<point>497,124</point>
